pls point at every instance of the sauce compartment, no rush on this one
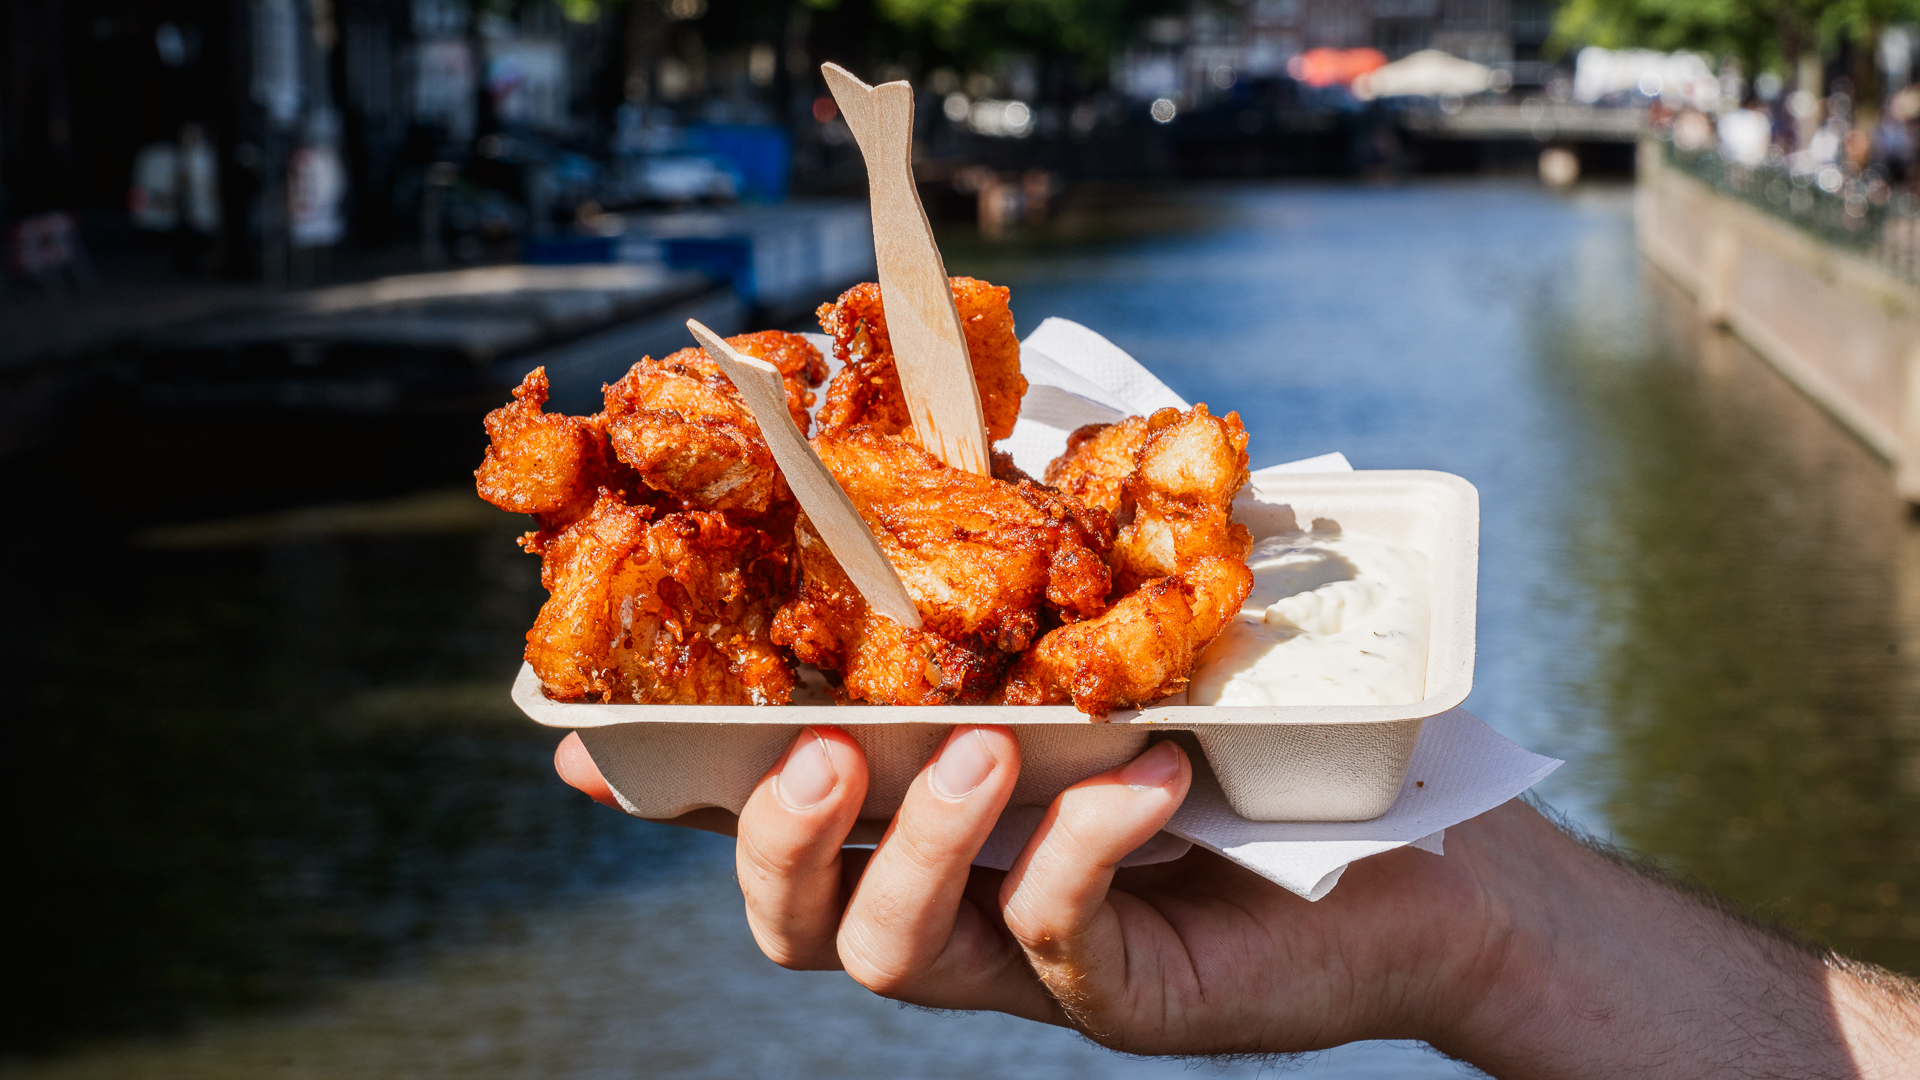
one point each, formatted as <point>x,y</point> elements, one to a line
<point>1275,763</point>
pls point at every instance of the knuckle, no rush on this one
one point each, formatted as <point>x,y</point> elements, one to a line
<point>1067,834</point>
<point>1048,935</point>
<point>1033,934</point>
<point>793,955</point>
<point>769,863</point>
<point>1049,945</point>
<point>799,961</point>
<point>920,852</point>
<point>777,861</point>
<point>888,982</point>
<point>887,976</point>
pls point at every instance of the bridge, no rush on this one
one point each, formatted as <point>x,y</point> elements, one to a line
<point>1528,121</point>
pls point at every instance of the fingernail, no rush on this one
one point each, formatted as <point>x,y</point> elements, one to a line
<point>808,776</point>
<point>1155,768</point>
<point>963,765</point>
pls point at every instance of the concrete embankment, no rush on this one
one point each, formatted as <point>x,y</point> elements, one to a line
<point>377,387</point>
<point>1835,323</point>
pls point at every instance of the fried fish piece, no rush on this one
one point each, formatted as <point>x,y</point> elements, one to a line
<point>1098,463</point>
<point>546,464</point>
<point>670,611</point>
<point>830,626</point>
<point>985,562</point>
<point>800,365</point>
<point>1184,479</point>
<point>682,425</point>
<point>867,389</point>
<point>976,554</point>
<point>1078,579</point>
<point>1141,650</point>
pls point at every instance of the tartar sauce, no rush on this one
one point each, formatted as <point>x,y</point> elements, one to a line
<point>1335,618</point>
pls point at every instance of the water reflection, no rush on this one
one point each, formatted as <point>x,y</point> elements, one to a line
<point>245,767</point>
<point>1754,585</point>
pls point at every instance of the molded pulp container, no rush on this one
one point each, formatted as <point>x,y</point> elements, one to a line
<point>1278,763</point>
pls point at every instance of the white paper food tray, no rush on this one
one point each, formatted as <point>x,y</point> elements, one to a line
<point>1278,763</point>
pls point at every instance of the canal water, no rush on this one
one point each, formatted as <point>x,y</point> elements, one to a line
<point>270,813</point>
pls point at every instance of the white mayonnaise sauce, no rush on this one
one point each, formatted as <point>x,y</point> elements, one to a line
<point>1335,618</point>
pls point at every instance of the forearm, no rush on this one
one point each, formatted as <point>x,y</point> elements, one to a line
<point>1592,969</point>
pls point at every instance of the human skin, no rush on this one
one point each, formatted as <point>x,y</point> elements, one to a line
<point>1522,951</point>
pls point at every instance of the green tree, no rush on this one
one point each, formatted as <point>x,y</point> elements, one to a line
<point>1761,34</point>
<point>1860,23</point>
<point>972,32</point>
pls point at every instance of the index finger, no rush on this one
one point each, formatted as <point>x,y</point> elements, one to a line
<point>789,850</point>
<point>1055,897</point>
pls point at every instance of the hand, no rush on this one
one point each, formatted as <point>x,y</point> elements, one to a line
<point>1521,950</point>
<point>1194,956</point>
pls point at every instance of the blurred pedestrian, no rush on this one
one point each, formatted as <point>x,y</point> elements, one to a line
<point>196,200</point>
<point>1745,134</point>
<point>1899,145</point>
<point>1692,131</point>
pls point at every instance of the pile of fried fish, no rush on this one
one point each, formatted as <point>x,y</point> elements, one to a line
<point>681,570</point>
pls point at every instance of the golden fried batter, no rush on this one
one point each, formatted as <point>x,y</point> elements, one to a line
<point>800,364</point>
<point>984,561</point>
<point>1098,463</point>
<point>691,437</point>
<point>1078,579</point>
<point>867,389</point>
<point>1182,489</point>
<point>539,463</point>
<point>673,611</point>
<point>669,538</point>
<point>1141,650</point>
<point>681,424</point>
<point>830,626</point>
<point>975,553</point>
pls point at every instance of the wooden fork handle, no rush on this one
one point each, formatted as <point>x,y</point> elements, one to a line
<point>820,495</point>
<point>929,343</point>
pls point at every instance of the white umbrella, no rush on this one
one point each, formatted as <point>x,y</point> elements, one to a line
<point>1428,73</point>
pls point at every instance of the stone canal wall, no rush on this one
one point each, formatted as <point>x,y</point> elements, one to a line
<point>1843,329</point>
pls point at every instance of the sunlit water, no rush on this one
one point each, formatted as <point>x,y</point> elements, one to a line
<point>270,813</point>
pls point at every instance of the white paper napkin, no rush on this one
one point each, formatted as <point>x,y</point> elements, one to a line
<point>1461,768</point>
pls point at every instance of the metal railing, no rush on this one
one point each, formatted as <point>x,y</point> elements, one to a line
<point>1859,211</point>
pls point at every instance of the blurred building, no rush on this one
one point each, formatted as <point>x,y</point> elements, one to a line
<point>248,132</point>
<point>1206,50</point>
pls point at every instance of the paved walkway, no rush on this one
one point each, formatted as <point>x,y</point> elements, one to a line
<point>137,292</point>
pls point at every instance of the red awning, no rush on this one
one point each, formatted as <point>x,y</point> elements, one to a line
<point>1334,67</point>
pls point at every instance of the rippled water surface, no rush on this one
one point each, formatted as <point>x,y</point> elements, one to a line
<point>271,814</point>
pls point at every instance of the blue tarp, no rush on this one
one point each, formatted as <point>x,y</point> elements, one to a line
<point>760,154</point>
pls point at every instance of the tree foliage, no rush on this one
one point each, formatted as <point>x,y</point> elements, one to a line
<point>1747,29</point>
<point>1761,34</point>
<point>964,34</point>
<point>976,31</point>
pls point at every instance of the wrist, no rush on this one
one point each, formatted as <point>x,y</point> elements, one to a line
<point>1497,972</point>
<point>1565,951</point>
<point>1424,946</point>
